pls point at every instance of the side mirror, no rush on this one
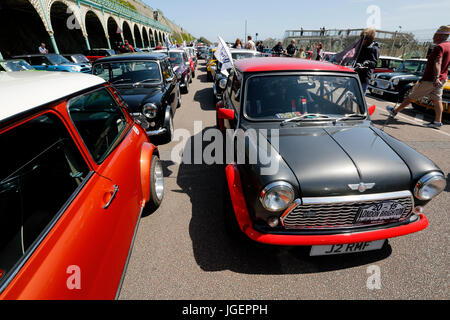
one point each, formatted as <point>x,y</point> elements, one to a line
<point>372,109</point>
<point>226,114</point>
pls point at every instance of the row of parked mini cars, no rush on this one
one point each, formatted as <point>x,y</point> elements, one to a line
<point>83,165</point>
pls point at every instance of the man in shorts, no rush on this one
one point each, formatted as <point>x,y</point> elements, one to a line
<point>434,78</point>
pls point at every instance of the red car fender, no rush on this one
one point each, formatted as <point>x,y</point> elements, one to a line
<point>145,163</point>
<point>246,225</point>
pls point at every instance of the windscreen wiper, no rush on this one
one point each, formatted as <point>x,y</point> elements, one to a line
<point>306,116</point>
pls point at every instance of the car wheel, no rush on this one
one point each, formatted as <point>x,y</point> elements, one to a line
<point>156,186</point>
<point>186,87</point>
<point>179,97</point>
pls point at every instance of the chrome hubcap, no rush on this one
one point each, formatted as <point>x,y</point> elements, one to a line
<point>159,180</point>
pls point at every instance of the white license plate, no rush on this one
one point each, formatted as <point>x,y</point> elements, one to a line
<point>346,248</point>
<point>378,91</point>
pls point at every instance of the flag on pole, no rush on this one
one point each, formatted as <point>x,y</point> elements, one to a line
<point>168,43</point>
<point>223,55</point>
<point>118,30</point>
<point>349,56</point>
<point>184,44</point>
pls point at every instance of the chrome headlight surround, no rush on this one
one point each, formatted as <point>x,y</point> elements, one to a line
<point>223,83</point>
<point>429,186</point>
<point>396,81</point>
<point>150,110</point>
<point>277,196</point>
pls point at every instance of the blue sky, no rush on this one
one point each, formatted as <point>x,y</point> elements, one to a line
<point>272,18</point>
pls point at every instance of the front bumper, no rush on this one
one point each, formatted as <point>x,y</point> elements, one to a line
<point>370,87</point>
<point>417,223</point>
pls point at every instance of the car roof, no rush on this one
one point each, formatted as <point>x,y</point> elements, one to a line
<point>391,58</point>
<point>287,64</point>
<point>36,55</point>
<point>24,91</point>
<point>134,56</point>
<point>243,50</point>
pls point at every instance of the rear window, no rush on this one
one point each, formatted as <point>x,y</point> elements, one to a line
<point>99,121</point>
<point>39,172</point>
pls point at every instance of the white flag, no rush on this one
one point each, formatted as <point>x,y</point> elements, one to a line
<point>168,43</point>
<point>223,55</point>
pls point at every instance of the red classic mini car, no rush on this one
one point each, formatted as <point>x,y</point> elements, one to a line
<point>76,174</point>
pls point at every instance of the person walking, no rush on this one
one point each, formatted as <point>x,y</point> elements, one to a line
<point>260,47</point>
<point>250,44</point>
<point>159,46</point>
<point>126,47</point>
<point>368,57</point>
<point>433,79</point>
<point>317,52</point>
<point>43,49</point>
<point>291,49</point>
<point>237,44</point>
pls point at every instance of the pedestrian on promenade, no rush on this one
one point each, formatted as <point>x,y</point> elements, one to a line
<point>260,47</point>
<point>43,49</point>
<point>250,44</point>
<point>433,79</point>
<point>301,53</point>
<point>291,48</point>
<point>159,46</point>
<point>278,49</point>
<point>368,57</point>
<point>317,52</point>
<point>237,44</point>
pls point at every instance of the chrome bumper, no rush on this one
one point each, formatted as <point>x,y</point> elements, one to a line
<point>156,132</point>
<point>384,90</point>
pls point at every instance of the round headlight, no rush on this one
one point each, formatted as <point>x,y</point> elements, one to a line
<point>277,196</point>
<point>396,81</point>
<point>222,83</point>
<point>150,110</point>
<point>429,186</point>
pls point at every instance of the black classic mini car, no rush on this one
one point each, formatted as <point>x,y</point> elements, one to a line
<point>220,77</point>
<point>180,64</point>
<point>398,84</point>
<point>307,167</point>
<point>149,87</point>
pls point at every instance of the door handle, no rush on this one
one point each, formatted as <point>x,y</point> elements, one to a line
<point>116,189</point>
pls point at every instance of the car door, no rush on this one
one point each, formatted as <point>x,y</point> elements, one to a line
<point>53,221</point>
<point>114,145</point>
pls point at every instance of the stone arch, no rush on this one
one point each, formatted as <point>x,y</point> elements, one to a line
<point>126,31</point>
<point>95,29</point>
<point>26,37</point>
<point>73,11</point>
<point>68,32</point>
<point>145,38</point>
<point>114,38</point>
<point>137,36</point>
<point>152,38</point>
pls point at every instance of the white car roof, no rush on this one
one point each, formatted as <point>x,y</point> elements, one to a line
<point>23,91</point>
<point>242,50</point>
<point>391,58</point>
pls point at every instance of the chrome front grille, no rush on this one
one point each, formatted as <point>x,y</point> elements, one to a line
<point>340,212</point>
<point>383,84</point>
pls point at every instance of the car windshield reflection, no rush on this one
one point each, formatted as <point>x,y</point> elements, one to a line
<point>283,97</point>
<point>130,72</point>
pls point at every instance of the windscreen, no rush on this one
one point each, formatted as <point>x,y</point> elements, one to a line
<point>274,97</point>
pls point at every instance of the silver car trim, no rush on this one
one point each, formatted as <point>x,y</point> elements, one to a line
<point>358,198</point>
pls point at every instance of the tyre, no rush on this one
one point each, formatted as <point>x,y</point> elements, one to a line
<point>186,87</point>
<point>179,97</point>
<point>156,186</point>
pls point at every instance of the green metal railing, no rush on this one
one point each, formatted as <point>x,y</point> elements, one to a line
<point>118,8</point>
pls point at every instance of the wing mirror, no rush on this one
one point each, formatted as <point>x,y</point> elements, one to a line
<point>226,114</point>
<point>372,109</point>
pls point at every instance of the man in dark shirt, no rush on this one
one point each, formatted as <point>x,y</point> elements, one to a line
<point>278,49</point>
<point>291,49</point>
<point>368,57</point>
<point>433,79</point>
